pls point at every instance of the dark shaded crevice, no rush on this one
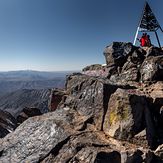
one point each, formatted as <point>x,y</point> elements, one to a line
<point>56,149</point>
<point>93,81</point>
<point>155,134</point>
<point>136,157</point>
<point>100,145</point>
<point>138,76</point>
<point>138,115</point>
<point>81,85</point>
<point>104,157</point>
<point>1,152</point>
<point>151,129</point>
<point>3,131</point>
<point>108,90</point>
<point>152,158</point>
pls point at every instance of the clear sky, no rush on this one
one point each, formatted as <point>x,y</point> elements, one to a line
<point>54,35</point>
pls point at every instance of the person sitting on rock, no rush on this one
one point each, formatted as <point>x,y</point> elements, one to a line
<point>143,40</point>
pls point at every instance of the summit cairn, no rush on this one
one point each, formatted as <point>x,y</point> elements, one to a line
<point>148,23</point>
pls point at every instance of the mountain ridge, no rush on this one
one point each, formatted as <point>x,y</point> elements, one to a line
<point>16,80</point>
<point>15,102</point>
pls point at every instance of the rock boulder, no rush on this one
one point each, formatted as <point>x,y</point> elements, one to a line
<point>116,53</point>
<point>34,139</point>
<point>152,69</point>
<point>26,113</point>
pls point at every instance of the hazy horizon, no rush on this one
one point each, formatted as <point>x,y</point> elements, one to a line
<point>39,71</point>
<point>61,35</point>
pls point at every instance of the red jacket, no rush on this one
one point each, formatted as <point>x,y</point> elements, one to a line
<point>143,41</point>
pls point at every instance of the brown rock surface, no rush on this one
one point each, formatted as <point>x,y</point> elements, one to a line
<point>127,115</point>
<point>55,98</point>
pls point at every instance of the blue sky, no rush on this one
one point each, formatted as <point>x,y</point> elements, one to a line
<point>55,35</point>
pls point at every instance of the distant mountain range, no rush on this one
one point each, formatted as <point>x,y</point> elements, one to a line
<point>26,75</point>
<point>17,80</point>
<point>19,89</point>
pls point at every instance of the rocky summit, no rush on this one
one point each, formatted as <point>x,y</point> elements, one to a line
<point>111,113</point>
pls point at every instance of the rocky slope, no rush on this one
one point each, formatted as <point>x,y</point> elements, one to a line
<point>107,114</point>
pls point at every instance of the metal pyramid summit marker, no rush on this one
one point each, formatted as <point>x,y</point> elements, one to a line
<point>148,22</point>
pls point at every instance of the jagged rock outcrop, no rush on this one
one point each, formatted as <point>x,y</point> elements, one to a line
<point>126,62</point>
<point>55,98</point>
<point>7,123</point>
<point>114,116</point>
<point>34,139</point>
<point>152,69</point>
<point>116,54</point>
<point>26,113</point>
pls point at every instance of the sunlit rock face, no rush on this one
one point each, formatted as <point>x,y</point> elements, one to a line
<point>107,113</point>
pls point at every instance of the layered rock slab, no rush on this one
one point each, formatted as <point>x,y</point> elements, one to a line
<point>89,96</point>
<point>34,139</point>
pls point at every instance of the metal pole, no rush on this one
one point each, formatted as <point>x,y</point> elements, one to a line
<point>136,35</point>
<point>161,29</point>
<point>139,23</point>
<point>157,39</point>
